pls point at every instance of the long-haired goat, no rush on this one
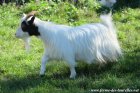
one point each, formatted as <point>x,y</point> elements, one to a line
<point>96,42</point>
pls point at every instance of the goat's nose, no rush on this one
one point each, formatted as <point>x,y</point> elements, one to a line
<point>15,35</point>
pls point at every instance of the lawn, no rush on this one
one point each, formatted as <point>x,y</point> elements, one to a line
<point>19,70</point>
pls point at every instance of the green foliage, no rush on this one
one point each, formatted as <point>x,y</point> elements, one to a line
<point>19,70</point>
<point>71,12</point>
<point>129,3</point>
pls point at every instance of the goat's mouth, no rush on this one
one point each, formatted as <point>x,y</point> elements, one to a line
<point>17,36</point>
<point>23,36</point>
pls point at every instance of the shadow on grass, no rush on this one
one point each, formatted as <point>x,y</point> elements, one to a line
<point>131,62</point>
<point>16,84</point>
<point>129,65</point>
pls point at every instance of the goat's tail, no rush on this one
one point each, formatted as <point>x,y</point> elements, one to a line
<point>114,47</point>
<point>107,20</point>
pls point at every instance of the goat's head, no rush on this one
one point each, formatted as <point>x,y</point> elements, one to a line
<point>27,26</point>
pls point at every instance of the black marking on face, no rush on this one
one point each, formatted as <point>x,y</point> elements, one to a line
<point>30,27</point>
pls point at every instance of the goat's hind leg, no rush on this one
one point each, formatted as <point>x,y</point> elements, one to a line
<point>72,65</point>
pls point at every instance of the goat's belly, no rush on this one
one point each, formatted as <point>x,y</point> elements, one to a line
<point>53,54</point>
<point>87,57</point>
<point>59,54</point>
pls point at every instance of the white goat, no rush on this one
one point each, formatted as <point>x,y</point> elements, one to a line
<point>107,3</point>
<point>96,42</point>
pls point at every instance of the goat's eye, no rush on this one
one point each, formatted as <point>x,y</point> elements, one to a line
<point>24,26</point>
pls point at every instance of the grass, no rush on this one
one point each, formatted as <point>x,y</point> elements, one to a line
<point>19,71</point>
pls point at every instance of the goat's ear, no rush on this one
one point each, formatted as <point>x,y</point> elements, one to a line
<point>31,21</point>
<point>23,15</point>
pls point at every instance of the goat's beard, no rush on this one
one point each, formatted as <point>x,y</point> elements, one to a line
<point>27,43</point>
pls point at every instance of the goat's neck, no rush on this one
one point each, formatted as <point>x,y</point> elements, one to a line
<point>46,33</point>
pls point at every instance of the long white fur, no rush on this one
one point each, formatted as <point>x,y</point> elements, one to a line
<point>96,42</point>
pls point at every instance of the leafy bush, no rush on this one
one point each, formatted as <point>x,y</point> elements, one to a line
<point>71,12</point>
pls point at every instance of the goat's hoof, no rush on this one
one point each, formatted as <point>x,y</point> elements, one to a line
<point>72,77</point>
<point>42,75</point>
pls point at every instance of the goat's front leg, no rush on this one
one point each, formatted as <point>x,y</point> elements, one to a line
<point>43,65</point>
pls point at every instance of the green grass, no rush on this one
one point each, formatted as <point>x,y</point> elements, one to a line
<point>19,71</point>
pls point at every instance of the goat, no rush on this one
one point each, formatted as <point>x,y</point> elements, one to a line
<point>107,3</point>
<point>91,43</point>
